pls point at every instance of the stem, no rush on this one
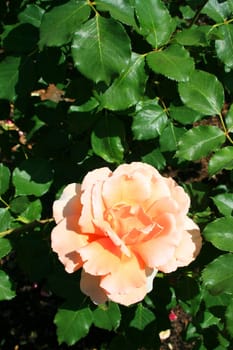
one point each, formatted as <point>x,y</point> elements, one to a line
<point>197,14</point>
<point>225,129</point>
<point>5,203</point>
<point>26,227</point>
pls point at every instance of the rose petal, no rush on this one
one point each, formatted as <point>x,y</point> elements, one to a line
<point>90,285</point>
<point>65,242</point>
<point>68,203</point>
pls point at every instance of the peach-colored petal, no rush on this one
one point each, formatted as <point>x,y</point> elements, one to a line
<point>129,275</point>
<point>100,257</point>
<point>66,242</point>
<point>160,249</point>
<point>90,285</point>
<point>68,203</point>
<point>179,195</point>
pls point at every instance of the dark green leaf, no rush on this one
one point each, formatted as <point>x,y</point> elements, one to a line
<point>32,14</point>
<point>107,316</point>
<point>155,158</point>
<point>199,142</point>
<point>5,247</point>
<point>174,62</point>
<point>229,120</point>
<point>121,10</point>
<point>156,24</point>
<point>229,318</point>
<point>192,36</point>
<point>105,45</point>
<point>5,219</point>
<point>9,71</point>
<point>222,159</point>
<point>4,178</point>
<point>170,137</point>
<point>143,316</point>
<point>224,47</point>
<point>6,292</point>
<point>33,176</point>
<point>128,88</point>
<point>72,325</point>
<point>59,24</point>
<point>220,234</point>
<point>107,139</point>
<point>224,203</point>
<point>19,204</point>
<point>218,275</point>
<point>21,39</point>
<point>184,115</point>
<point>203,93</point>
<point>32,212</point>
<point>149,120</point>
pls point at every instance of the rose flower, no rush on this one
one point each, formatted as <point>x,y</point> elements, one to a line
<point>122,227</point>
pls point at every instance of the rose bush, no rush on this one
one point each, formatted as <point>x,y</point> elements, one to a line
<point>122,227</point>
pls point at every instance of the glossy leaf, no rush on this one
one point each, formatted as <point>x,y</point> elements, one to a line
<point>105,45</point>
<point>4,178</point>
<point>191,37</point>
<point>5,247</point>
<point>59,24</point>
<point>5,219</point>
<point>143,316</point>
<point>219,233</point>
<point>9,72</point>
<point>216,10</point>
<point>170,137</point>
<point>107,139</point>
<point>72,325</point>
<point>121,10</point>
<point>218,275</point>
<point>32,212</point>
<point>156,24</point>
<point>6,292</point>
<point>174,62</point>
<point>149,120</point>
<point>33,176</point>
<point>155,158</point>
<point>203,93</point>
<point>199,142</point>
<point>32,14</point>
<point>107,316</point>
<point>128,88</point>
<point>229,119</point>
<point>224,203</point>
<point>224,47</point>
<point>222,159</point>
<point>184,115</point>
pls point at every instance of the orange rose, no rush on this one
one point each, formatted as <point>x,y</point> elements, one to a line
<point>122,227</point>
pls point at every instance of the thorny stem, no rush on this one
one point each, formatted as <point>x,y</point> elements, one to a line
<point>26,227</point>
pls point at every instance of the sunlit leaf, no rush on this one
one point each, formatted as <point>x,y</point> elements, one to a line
<point>209,320</point>
<point>32,14</point>
<point>4,178</point>
<point>107,316</point>
<point>104,44</point>
<point>203,93</point>
<point>174,62</point>
<point>224,47</point>
<point>224,203</point>
<point>128,88</point>
<point>192,36</point>
<point>222,159</point>
<point>199,142</point>
<point>5,247</point>
<point>219,233</point>
<point>6,292</point>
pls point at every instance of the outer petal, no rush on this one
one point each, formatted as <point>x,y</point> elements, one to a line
<point>66,242</point>
<point>179,195</point>
<point>129,276</point>
<point>90,285</point>
<point>68,203</point>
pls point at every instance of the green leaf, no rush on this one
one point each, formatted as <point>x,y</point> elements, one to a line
<point>224,47</point>
<point>174,62</point>
<point>209,320</point>
<point>104,44</point>
<point>59,24</point>
<point>128,88</point>
<point>218,275</point>
<point>33,176</point>
<point>5,219</point>
<point>229,120</point>
<point>143,316</point>
<point>9,71</point>
<point>86,107</point>
<point>224,203</point>
<point>149,120</point>
<point>6,292</point>
<point>170,137</point>
<point>199,142</point>
<point>155,158</point>
<point>220,234</point>
<point>32,212</point>
<point>107,139</point>
<point>107,316</point>
<point>72,325</point>
<point>184,115</point>
<point>5,247</point>
<point>31,14</point>
<point>22,38</point>
<point>216,10</point>
<point>191,37</point>
<point>203,93</point>
<point>121,10</point>
<point>222,159</point>
<point>156,24</point>
<point>229,318</point>
<point>19,204</point>
<point>4,178</point>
